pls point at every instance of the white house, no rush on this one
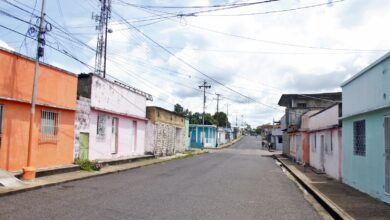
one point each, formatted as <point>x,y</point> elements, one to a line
<point>325,141</point>
<point>110,119</point>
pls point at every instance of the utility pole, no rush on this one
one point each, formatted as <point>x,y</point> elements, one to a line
<point>29,171</point>
<point>218,135</point>
<point>227,114</point>
<point>204,86</point>
<point>236,121</point>
<point>102,27</point>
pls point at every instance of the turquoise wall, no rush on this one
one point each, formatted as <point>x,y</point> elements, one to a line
<point>366,173</point>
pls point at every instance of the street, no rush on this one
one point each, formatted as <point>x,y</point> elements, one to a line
<point>235,183</point>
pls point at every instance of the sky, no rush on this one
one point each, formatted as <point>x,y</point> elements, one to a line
<point>251,60</point>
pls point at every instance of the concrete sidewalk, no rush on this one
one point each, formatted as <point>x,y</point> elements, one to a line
<point>347,202</point>
<point>79,175</point>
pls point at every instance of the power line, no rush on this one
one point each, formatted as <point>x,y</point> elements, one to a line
<point>185,62</point>
<point>274,11</point>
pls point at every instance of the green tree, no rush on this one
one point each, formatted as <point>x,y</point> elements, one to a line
<point>179,109</point>
<point>221,119</point>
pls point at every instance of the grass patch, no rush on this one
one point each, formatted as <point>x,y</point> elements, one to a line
<point>88,165</point>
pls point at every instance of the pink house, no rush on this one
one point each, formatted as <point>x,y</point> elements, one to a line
<point>110,119</point>
<point>325,141</point>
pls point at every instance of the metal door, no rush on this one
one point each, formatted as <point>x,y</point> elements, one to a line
<point>84,145</point>
<point>387,153</point>
<point>322,153</point>
<point>114,136</point>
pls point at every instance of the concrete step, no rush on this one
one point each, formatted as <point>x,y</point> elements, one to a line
<point>7,179</point>
<point>123,160</point>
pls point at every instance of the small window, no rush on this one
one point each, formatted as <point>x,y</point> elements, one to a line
<point>301,105</point>
<point>280,139</point>
<point>1,122</point>
<point>101,126</point>
<point>49,125</point>
<point>359,138</point>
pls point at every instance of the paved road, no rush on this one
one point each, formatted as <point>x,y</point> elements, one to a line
<point>235,183</point>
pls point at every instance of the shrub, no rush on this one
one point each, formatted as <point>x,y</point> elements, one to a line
<point>88,165</point>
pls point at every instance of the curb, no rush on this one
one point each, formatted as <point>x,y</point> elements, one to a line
<point>92,174</point>
<point>332,208</point>
<point>226,145</point>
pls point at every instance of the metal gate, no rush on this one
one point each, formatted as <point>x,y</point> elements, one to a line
<point>387,153</point>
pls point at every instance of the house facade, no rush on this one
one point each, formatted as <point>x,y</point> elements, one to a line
<point>110,120</point>
<point>166,132</point>
<point>52,138</point>
<point>296,106</point>
<point>203,136</point>
<point>366,130</point>
<point>224,135</point>
<point>299,140</point>
<point>325,141</point>
<point>277,137</point>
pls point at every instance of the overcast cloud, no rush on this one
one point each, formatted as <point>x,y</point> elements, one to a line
<point>261,68</point>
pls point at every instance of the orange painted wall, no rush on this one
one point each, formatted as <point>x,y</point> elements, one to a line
<point>54,88</point>
<point>305,147</point>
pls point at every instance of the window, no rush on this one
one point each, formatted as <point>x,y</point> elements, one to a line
<point>301,105</point>
<point>49,125</point>
<point>313,140</point>
<point>1,122</point>
<point>280,139</point>
<point>101,126</point>
<point>359,138</point>
<point>328,142</point>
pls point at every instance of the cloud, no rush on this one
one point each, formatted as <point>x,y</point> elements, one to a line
<point>6,46</point>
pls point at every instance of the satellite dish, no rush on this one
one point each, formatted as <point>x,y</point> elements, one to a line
<point>110,30</point>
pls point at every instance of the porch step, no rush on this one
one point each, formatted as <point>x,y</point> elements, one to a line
<point>7,179</point>
<point>47,171</point>
<point>123,160</point>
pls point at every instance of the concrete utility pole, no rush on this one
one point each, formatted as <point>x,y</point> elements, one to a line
<point>218,95</point>
<point>204,86</point>
<point>29,171</point>
<point>227,114</point>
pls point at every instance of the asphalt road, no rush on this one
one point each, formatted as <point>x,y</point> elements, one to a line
<point>235,183</point>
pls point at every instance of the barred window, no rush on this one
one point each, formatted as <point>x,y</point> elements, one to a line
<point>359,137</point>
<point>49,125</point>
<point>1,122</point>
<point>101,126</point>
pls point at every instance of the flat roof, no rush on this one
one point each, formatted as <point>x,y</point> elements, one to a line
<point>285,98</point>
<point>166,110</point>
<point>33,60</point>
<point>357,75</point>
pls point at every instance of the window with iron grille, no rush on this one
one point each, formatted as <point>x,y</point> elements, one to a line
<point>49,125</point>
<point>359,138</point>
<point>1,123</point>
<point>101,126</point>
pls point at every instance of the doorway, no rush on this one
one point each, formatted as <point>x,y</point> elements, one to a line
<point>84,145</point>
<point>114,136</point>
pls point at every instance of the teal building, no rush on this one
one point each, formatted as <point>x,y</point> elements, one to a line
<point>366,130</point>
<point>203,136</point>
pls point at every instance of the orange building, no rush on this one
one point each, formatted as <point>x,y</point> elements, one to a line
<point>53,135</point>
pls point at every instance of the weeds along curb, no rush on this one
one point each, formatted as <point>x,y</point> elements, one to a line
<point>17,191</point>
<point>330,208</point>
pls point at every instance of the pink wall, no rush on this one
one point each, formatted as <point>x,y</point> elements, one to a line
<point>100,148</point>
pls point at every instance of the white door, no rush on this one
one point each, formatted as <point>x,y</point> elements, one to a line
<point>114,136</point>
<point>387,153</point>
